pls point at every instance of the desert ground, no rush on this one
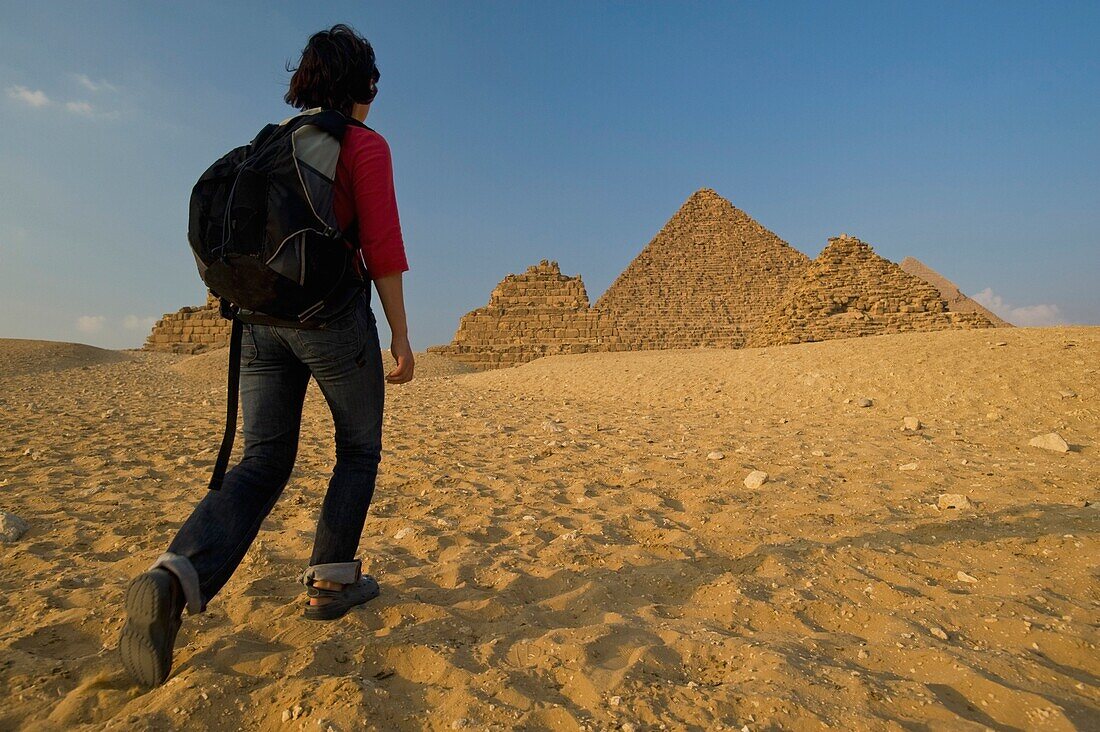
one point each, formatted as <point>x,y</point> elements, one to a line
<point>571,544</point>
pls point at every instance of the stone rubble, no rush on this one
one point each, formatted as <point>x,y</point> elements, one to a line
<point>190,330</point>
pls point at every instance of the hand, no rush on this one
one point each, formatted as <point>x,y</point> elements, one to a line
<point>402,353</point>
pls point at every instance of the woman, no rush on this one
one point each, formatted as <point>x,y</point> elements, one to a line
<point>337,71</point>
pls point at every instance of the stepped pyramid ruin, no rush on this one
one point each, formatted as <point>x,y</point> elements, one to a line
<point>706,279</point>
<point>955,299</point>
<point>190,330</point>
<point>850,291</point>
<point>538,313</point>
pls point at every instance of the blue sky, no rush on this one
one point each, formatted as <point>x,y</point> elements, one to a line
<point>964,134</point>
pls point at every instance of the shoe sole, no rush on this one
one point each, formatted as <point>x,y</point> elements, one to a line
<point>148,615</point>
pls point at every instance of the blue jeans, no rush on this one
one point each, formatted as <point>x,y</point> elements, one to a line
<point>276,365</point>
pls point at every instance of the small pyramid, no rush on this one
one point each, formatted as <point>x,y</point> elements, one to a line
<point>706,279</point>
<point>538,313</point>
<point>850,291</point>
<point>951,294</point>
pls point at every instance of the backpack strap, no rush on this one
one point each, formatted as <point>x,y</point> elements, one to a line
<point>233,389</point>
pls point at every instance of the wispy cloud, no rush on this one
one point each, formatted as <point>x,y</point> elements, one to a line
<point>1042,314</point>
<point>90,323</point>
<point>38,99</point>
<point>137,322</point>
<point>84,109</point>
<point>92,85</point>
<point>30,97</point>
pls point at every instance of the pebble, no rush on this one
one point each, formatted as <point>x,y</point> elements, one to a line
<point>183,461</point>
<point>1067,393</point>
<point>628,727</point>
<point>938,632</point>
<point>964,577</point>
<point>911,424</point>
<point>12,527</point>
<point>908,466</point>
<point>615,701</point>
<point>715,455</point>
<point>550,426</point>
<point>755,479</point>
<point>402,533</point>
<point>1050,441</point>
<point>866,402</point>
<point>954,500</point>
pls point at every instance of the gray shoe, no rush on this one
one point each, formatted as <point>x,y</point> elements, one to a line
<point>154,606</point>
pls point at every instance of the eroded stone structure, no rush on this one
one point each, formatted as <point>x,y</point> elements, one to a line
<point>190,330</point>
<point>538,313</point>
<point>949,291</point>
<point>706,279</point>
<point>849,291</point>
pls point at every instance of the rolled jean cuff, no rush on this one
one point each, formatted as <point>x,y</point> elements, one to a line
<point>344,573</point>
<point>184,571</point>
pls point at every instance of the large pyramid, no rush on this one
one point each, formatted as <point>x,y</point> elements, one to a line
<point>951,294</point>
<point>850,291</point>
<point>706,279</point>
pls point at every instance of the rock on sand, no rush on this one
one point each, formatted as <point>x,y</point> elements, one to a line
<point>1050,441</point>
<point>755,479</point>
<point>12,527</point>
<point>954,500</point>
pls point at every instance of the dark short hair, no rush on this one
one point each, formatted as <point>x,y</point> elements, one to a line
<point>336,70</point>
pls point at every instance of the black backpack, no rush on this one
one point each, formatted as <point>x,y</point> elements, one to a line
<point>265,237</point>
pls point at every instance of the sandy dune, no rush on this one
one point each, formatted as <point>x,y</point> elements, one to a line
<point>19,356</point>
<point>561,546</point>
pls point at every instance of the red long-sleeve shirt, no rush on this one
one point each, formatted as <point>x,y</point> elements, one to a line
<point>364,191</point>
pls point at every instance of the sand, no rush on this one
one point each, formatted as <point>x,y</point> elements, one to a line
<point>570,544</point>
<point>21,357</point>
<point>211,367</point>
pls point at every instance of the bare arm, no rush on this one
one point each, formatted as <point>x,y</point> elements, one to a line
<point>393,303</point>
